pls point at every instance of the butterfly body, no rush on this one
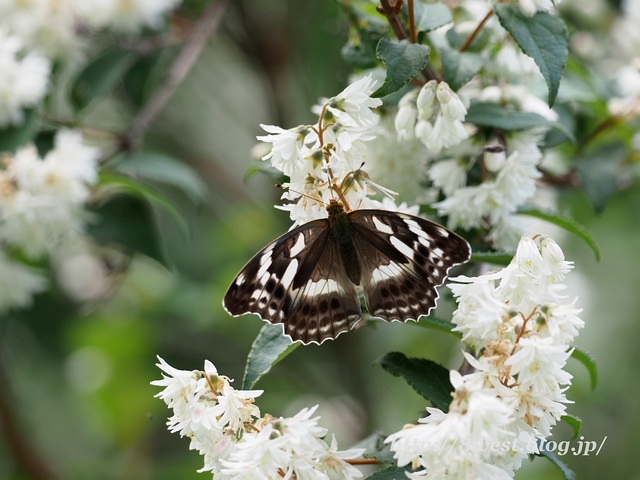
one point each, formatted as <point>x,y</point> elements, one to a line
<point>307,278</point>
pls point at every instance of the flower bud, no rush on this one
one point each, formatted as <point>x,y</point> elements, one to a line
<point>405,122</point>
<point>494,158</point>
<point>426,99</point>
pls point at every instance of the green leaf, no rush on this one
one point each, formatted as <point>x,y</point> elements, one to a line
<point>589,362</point>
<point>163,169</point>
<point>430,16</point>
<point>390,473</point>
<point>376,448</point>
<point>438,324</point>
<point>123,184</point>
<point>543,37</point>
<point>364,36</point>
<point>147,74</point>
<point>403,61</point>
<point>13,137</point>
<point>551,456</point>
<point>574,422</point>
<point>460,67</point>
<point>428,378</point>
<point>495,258</point>
<point>569,224</point>
<point>101,76</point>
<point>128,221</point>
<point>269,347</point>
<point>495,116</point>
<point>599,172</point>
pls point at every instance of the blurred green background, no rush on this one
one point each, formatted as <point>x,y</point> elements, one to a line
<point>76,380</point>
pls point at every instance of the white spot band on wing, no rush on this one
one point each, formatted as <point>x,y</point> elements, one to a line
<point>382,227</point>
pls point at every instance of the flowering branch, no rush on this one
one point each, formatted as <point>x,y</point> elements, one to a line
<point>205,27</point>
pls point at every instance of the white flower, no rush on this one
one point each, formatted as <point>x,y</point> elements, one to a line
<point>24,79</point>
<point>511,63</point>
<point>356,103</point>
<point>425,100</point>
<point>451,106</point>
<point>405,122</point>
<point>333,464</point>
<point>448,175</point>
<point>286,145</point>
<point>446,133</point>
<point>530,7</point>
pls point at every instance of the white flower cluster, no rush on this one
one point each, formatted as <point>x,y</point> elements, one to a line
<point>508,181</point>
<point>520,325</point>
<point>531,7</point>
<point>323,161</point>
<point>33,32</point>
<point>41,199</point>
<point>237,443</point>
<point>24,79</point>
<point>434,115</point>
<point>41,204</point>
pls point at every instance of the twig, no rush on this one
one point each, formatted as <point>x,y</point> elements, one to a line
<point>26,457</point>
<point>391,12</point>
<point>412,22</point>
<point>362,461</point>
<point>473,34</point>
<point>203,29</point>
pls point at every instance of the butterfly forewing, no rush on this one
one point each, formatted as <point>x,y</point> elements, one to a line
<point>403,259</point>
<point>298,280</point>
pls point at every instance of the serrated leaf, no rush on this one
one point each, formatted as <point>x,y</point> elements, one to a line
<point>122,184</point>
<point>269,347</point>
<point>543,37</point>
<point>599,172</point>
<point>403,61</point>
<point>390,473</point>
<point>566,471</point>
<point>567,223</point>
<point>438,324</point>
<point>460,67</point>
<point>495,258</point>
<point>161,168</point>
<point>589,362</point>
<point>574,422</point>
<point>428,378</point>
<point>14,137</point>
<point>430,16</point>
<point>101,76</point>
<point>495,116</point>
<point>128,221</point>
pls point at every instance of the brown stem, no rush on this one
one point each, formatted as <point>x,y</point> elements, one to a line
<point>25,455</point>
<point>390,12</point>
<point>412,22</point>
<point>203,29</point>
<point>362,461</point>
<point>473,34</point>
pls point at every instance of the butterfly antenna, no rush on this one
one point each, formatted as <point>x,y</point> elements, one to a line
<point>347,183</point>
<point>319,200</point>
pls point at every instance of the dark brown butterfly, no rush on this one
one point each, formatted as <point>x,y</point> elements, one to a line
<point>306,279</point>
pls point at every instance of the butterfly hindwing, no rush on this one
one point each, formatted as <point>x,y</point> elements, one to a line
<point>403,259</point>
<point>298,280</point>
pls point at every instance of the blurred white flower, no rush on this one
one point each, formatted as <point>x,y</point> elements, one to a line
<point>24,79</point>
<point>41,203</point>
<point>125,15</point>
<point>448,175</point>
<point>18,284</point>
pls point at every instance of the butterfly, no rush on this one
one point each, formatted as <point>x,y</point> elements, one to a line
<point>306,279</point>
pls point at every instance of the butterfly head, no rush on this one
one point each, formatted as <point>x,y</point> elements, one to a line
<point>335,207</point>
